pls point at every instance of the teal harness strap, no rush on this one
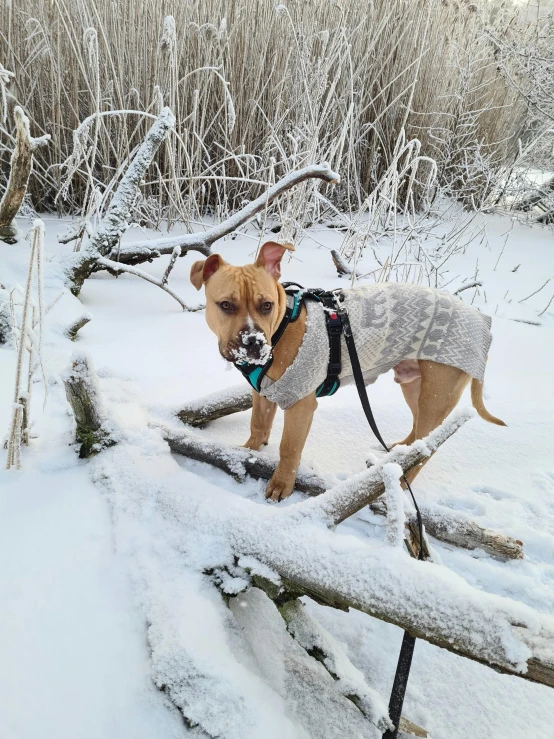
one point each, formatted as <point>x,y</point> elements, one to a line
<point>254,373</point>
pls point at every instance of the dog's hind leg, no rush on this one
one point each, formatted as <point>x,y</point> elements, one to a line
<point>263,413</point>
<point>410,391</point>
<point>441,389</point>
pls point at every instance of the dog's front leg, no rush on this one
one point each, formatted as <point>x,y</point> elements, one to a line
<point>263,413</point>
<point>298,419</point>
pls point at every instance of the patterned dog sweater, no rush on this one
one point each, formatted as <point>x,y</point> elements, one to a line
<point>390,322</point>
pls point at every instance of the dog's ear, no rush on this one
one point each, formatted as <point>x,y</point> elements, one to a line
<point>203,269</point>
<point>270,257</point>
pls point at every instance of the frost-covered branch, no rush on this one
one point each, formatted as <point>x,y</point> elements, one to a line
<point>115,222</point>
<point>73,329</point>
<point>20,171</point>
<point>236,461</point>
<point>350,496</point>
<point>116,267</point>
<point>144,251</point>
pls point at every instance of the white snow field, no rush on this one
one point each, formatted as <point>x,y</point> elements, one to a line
<point>102,584</point>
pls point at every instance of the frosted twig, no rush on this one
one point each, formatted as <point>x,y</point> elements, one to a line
<point>534,293</point>
<point>117,267</point>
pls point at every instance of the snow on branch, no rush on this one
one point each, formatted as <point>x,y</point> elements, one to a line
<point>93,430</point>
<point>143,251</point>
<point>448,526</point>
<point>20,170</point>
<point>115,222</point>
<point>350,496</point>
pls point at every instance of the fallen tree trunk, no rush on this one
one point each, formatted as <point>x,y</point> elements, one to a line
<point>20,170</point>
<point>238,462</point>
<point>424,599</point>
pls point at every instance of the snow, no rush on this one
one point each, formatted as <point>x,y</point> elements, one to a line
<point>106,585</point>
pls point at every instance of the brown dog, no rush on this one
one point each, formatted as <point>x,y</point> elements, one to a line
<point>244,307</point>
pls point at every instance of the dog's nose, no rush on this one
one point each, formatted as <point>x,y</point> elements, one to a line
<point>250,340</point>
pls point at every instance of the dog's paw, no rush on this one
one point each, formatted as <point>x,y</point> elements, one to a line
<point>254,444</point>
<point>280,486</point>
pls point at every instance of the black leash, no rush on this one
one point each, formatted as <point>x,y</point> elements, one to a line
<point>408,642</point>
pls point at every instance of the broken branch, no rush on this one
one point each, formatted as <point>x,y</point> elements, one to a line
<point>20,171</point>
<point>81,389</point>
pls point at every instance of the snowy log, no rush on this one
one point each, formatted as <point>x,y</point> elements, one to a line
<point>145,251</point>
<point>81,389</point>
<point>20,170</point>
<point>216,405</point>
<point>424,599</point>
<point>235,461</point>
<point>115,222</point>
<point>450,528</point>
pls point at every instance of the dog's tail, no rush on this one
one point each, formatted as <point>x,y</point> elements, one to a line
<point>477,400</point>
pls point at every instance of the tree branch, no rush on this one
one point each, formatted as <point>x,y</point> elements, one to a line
<point>116,268</point>
<point>20,171</point>
<point>114,223</point>
<point>216,405</point>
<point>143,251</point>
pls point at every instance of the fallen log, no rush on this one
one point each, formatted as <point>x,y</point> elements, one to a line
<point>93,430</point>
<point>235,461</point>
<point>20,170</point>
<point>221,403</point>
<point>451,528</point>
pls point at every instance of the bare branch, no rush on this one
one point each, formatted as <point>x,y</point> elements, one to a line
<point>117,267</point>
<point>143,251</point>
<point>221,403</point>
<point>114,223</point>
<point>73,329</point>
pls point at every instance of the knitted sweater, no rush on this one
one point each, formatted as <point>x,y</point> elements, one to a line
<point>390,322</point>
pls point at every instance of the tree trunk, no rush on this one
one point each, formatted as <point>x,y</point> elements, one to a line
<point>20,170</point>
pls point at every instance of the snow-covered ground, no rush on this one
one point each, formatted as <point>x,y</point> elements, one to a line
<point>89,564</point>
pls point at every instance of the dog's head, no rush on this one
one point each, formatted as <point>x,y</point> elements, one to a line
<point>244,305</point>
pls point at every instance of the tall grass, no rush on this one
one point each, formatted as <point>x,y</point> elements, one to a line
<point>257,89</point>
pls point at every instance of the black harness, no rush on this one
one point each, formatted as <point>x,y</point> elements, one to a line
<point>337,321</point>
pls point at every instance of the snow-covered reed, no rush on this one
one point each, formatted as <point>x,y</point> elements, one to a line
<point>258,89</point>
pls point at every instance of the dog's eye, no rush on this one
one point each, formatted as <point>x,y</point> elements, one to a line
<point>226,306</point>
<point>266,307</point>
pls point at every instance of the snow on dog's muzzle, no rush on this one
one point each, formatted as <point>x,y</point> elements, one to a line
<point>251,347</point>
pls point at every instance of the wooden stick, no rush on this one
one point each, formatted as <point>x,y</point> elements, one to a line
<point>73,329</point>
<point>235,461</point>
